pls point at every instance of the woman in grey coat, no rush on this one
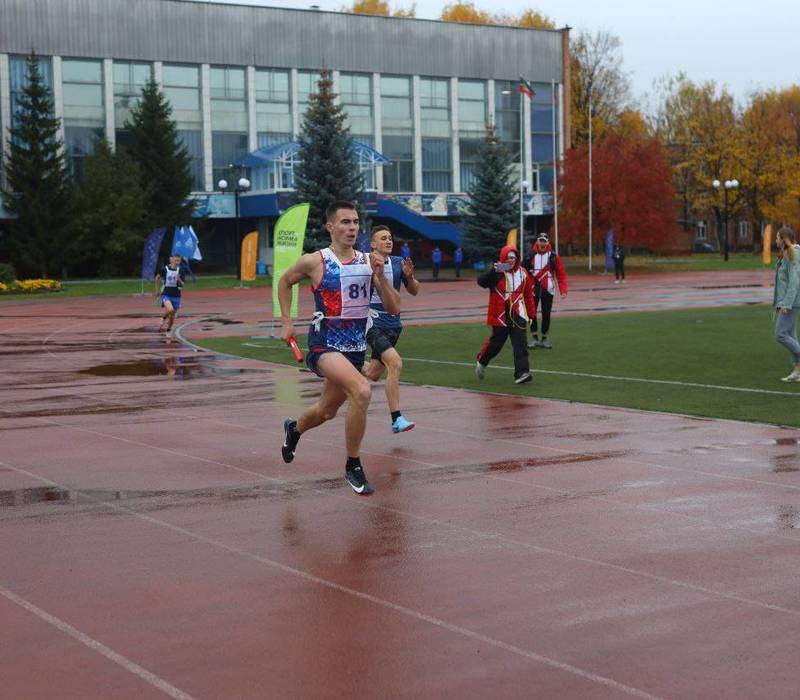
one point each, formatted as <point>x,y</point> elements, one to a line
<point>786,300</point>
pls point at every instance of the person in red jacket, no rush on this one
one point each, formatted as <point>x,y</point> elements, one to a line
<point>546,269</point>
<point>510,307</point>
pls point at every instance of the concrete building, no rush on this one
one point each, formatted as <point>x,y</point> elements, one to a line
<point>417,93</point>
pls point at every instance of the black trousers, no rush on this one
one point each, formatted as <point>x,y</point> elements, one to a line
<point>542,295</point>
<point>619,268</point>
<point>497,340</point>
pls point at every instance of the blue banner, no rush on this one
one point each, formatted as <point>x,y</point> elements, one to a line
<point>152,244</point>
<point>610,250</point>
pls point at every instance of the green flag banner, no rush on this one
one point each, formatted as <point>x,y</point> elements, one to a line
<point>290,230</point>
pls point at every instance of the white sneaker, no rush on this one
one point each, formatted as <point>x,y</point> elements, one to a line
<point>616,281</point>
<point>480,370</point>
<point>793,377</point>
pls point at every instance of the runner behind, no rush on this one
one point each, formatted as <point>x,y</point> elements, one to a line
<point>168,286</point>
<point>386,328</point>
<point>342,280</point>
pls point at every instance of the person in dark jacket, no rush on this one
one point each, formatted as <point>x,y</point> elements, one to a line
<point>436,259</point>
<point>618,256</point>
<point>510,307</point>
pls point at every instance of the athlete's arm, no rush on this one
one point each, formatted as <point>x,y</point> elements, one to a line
<point>412,284</point>
<point>389,296</point>
<point>307,267</point>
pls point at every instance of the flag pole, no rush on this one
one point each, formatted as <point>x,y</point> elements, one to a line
<point>555,165</point>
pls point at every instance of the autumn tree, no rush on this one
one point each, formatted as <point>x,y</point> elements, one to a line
<point>596,74</point>
<point>380,8</point>
<point>631,193</point>
<point>467,13</point>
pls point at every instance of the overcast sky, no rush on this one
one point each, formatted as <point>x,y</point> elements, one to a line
<point>743,44</point>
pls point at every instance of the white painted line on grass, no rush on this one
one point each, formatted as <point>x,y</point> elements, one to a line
<point>94,645</point>
<point>618,379</point>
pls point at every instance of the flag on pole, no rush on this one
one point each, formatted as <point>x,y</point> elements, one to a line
<point>526,88</point>
<point>185,243</point>
<point>152,244</point>
<point>290,230</point>
<point>766,244</point>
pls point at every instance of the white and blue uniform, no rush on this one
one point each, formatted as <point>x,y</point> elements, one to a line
<point>342,304</point>
<point>393,271</point>
<point>170,290</point>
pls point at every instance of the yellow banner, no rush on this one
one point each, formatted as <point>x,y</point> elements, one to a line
<point>290,230</point>
<point>249,255</point>
<point>511,239</point>
<point>766,250</point>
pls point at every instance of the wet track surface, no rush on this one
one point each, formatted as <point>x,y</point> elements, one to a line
<point>155,544</point>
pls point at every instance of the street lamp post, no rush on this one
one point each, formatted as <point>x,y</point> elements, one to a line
<point>590,177</point>
<point>523,188</point>
<point>727,186</point>
<point>242,185</point>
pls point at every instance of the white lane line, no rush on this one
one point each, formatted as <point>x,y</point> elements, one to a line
<point>618,379</point>
<point>312,578</point>
<point>99,647</point>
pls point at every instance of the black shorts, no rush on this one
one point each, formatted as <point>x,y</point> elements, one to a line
<point>381,339</point>
<point>312,359</point>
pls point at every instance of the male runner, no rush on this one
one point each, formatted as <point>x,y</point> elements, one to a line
<point>168,286</point>
<point>342,279</point>
<point>382,337</point>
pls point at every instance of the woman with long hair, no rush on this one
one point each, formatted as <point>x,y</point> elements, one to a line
<point>786,299</point>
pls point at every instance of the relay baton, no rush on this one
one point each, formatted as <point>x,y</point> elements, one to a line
<point>292,343</point>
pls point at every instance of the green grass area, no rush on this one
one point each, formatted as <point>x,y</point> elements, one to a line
<point>731,347</point>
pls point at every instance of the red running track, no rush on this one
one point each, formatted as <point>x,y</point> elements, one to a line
<point>154,543</point>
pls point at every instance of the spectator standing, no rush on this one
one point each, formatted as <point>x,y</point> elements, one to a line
<point>436,259</point>
<point>458,258</point>
<point>618,255</point>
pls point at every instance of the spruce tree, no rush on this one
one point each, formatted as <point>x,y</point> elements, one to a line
<point>164,163</point>
<point>493,201</point>
<point>38,191</point>
<point>111,222</point>
<point>327,170</point>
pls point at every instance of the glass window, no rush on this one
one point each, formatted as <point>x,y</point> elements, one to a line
<point>472,112</point>
<point>436,166</point>
<point>398,176</point>
<point>468,159</point>
<point>192,140</point>
<point>273,106</point>
<point>228,99</point>
<point>226,149</point>
<point>396,102</point>
<point>507,114</point>
<point>542,148</point>
<point>702,230</point>
<point>744,229</point>
<point>355,92</point>
<point>129,79</point>
<point>306,86</point>
<point>181,88</point>
<point>84,113</point>
<point>18,69</point>
<point>434,98</point>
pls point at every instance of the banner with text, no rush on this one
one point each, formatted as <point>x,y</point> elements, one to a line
<point>249,254</point>
<point>290,230</point>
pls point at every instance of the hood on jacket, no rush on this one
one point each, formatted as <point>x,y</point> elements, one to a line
<point>535,249</point>
<point>505,250</point>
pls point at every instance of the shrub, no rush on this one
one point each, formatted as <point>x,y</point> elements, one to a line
<point>7,273</point>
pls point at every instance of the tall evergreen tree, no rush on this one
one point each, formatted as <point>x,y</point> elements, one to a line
<point>111,224</point>
<point>38,191</point>
<point>327,170</point>
<point>493,200</point>
<point>164,162</point>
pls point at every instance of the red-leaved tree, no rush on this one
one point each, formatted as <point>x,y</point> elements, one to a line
<point>631,192</point>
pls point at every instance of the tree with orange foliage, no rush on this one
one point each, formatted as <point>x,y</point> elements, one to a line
<point>466,12</point>
<point>380,8</point>
<point>631,193</point>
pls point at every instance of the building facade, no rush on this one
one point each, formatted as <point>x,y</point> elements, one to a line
<point>238,77</point>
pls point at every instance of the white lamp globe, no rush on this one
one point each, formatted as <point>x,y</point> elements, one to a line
<point>715,183</point>
<point>223,184</point>
<point>244,183</point>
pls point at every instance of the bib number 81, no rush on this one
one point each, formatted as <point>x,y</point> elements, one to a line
<point>355,291</point>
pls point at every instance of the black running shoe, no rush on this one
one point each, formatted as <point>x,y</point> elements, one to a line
<point>358,481</point>
<point>290,441</point>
